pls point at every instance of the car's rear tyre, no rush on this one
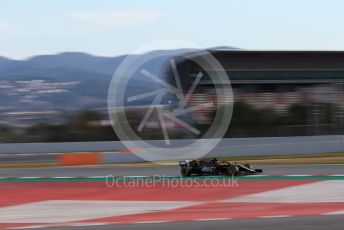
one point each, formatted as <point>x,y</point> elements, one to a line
<point>185,172</point>
<point>232,170</point>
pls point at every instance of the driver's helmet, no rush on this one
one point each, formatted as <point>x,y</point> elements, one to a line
<point>214,160</point>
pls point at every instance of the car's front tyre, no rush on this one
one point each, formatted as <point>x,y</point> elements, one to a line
<point>232,170</point>
<point>185,172</point>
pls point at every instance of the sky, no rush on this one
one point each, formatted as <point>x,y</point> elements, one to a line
<point>115,27</point>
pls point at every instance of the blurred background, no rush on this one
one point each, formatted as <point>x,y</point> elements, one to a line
<point>280,71</point>
<point>55,73</point>
<point>63,97</point>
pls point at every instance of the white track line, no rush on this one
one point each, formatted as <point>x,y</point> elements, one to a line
<point>277,216</point>
<point>68,211</point>
<point>299,175</point>
<point>213,219</point>
<point>152,222</point>
<point>61,177</point>
<point>334,213</point>
<point>85,224</point>
<point>319,191</point>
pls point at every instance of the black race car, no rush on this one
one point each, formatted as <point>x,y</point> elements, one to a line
<point>215,167</point>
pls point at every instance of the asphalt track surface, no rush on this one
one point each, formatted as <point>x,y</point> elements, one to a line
<point>121,171</point>
<point>334,222</point>
<point>301,223</point>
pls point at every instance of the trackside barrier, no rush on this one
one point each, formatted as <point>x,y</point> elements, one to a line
<point>95,158</point>
<point>81,153</point>
<point>84,158</point>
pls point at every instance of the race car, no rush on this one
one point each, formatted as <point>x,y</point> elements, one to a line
<point>215,167</point>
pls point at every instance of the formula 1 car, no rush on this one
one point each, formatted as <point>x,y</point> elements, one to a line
<point>215,167</point>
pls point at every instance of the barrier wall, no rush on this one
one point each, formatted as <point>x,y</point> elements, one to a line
<point>79,153</point>
<point>86,158</point>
